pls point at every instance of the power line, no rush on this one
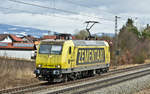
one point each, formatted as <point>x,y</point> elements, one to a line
<point>83,5</point>
<point>123,19</point>
<point>21,2</point>
<point>56,9</point>
<point>19,10</point>
<point>77,4</point>
<point>6,8</point>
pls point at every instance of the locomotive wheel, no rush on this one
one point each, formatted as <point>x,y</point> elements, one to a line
<point>65,78</point>
<point>107,69</point>
<point>73,76</point>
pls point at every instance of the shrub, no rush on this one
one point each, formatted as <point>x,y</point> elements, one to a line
<point>133,48</point>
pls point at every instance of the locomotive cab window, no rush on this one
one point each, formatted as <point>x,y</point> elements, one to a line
<point>56,49</point>
<point>50,49</point>
<point>44,49</point>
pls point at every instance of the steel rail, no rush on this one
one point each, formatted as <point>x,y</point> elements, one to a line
<point>80,89</point>
<point>43,85</point>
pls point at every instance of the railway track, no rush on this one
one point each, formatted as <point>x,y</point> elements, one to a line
<point>45,86</point>
<point>85,88</point>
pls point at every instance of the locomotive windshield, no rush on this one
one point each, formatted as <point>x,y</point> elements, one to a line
<point>50,49</point>
<point>56,49</point>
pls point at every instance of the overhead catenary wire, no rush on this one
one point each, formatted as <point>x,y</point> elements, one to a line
<point>33,12</point>
<point>86,6</point>
<point>60,10</point>
<point>105,20</point>
<point>65,11</point>
<point>19,10</point>
<point>108,13</point>
<point>68,18</point>
<point>54,6</point>
<point>6,8</point>
<point>82,5</point>
<point>25,11</point>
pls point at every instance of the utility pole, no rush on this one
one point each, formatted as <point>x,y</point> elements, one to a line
<point>116,25</point>
<point>116,40</point>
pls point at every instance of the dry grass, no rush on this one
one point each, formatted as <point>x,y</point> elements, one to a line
<point>16,73</point>
<point>128,65</point>
<point>123,66</point>
<point>147,61</point>
<point>147,91</point>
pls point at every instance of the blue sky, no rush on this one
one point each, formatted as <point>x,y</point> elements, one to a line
<point>82,10</point>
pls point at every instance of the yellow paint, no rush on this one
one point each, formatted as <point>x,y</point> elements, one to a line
<point>66,60</point>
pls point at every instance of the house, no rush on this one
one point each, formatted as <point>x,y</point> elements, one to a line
<point>9,38</point>
<point>61,36</point>
<point>29,39</point>
<point>49,37</point>
<point>15,47</point>
<point>65,36</point>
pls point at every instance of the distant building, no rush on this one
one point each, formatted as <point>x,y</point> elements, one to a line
<point>62,36</point>
<point>49,37</point>
<point>17,50</point>
<point>15,47</point>
<point>29,39</point>
<point>9,38</point>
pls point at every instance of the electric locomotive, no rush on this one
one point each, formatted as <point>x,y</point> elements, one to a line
<point>63,60</point>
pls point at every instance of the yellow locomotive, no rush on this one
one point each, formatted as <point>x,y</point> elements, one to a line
<point>62,60</point>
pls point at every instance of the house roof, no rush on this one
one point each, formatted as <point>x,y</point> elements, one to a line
<point>30,38</point>
<point>13,37</point>
<point>3,36</point>
<point>49,37</point>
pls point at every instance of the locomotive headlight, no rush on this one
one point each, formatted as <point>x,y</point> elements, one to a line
<point>39,66</point>
<point>58,66</point>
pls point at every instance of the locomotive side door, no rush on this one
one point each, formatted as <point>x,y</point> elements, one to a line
<point>71,56</point>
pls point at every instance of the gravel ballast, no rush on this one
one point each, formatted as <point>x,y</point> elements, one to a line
<point>128,87</point>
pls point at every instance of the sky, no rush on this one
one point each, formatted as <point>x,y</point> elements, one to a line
<point>68,16</point>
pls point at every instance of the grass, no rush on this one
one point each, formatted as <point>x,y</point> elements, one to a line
<point>128,65</point>
<point>16,72</point>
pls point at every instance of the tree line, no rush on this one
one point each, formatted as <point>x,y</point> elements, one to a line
<point>130,45</point>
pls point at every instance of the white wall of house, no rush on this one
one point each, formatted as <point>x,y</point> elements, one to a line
<point>7,39</point>
<point>21,54</point>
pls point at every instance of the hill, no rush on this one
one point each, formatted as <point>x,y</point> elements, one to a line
<point>18,30</point>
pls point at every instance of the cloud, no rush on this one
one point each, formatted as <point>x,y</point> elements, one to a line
<point>57,22</point>
<point>48,19</point>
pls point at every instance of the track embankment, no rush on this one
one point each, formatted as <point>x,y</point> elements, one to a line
<point>78,86</point>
